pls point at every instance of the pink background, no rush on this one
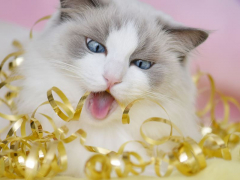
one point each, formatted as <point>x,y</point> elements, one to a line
<point>220,55</point>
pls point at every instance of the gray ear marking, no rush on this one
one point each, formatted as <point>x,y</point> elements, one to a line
<point>189,36</point>
<point>185,39</point>
<point>76,3</point>
<point>79,4</point>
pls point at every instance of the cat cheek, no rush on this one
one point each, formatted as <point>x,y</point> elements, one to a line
<point>90,72</point>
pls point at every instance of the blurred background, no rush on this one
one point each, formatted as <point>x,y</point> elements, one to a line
<point>219,55</point>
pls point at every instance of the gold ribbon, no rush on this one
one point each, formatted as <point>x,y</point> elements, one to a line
<point>38,21</point>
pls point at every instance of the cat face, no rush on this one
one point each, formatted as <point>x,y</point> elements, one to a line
<point>120,51</point>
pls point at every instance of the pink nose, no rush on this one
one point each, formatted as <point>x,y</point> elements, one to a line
<point>111,81</point>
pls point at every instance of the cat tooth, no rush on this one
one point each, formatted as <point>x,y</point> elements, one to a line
<point>91,101</point>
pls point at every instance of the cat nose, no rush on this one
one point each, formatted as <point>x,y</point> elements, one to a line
<point>111,81</point>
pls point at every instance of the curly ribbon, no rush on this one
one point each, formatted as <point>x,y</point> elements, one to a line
<point>190,158</point>
<point>38,21</point>
<point>42,154</point>
<point>221,127</point>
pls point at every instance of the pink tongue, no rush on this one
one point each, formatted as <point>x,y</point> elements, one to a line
<point>101,104</point>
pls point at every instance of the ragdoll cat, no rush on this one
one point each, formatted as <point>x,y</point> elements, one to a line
<point>119,50</point>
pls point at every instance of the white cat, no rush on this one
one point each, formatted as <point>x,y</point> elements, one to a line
<point>125,47</point>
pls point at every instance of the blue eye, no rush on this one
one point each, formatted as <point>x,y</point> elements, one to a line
<point>95,47</point>
<point>143,64</point>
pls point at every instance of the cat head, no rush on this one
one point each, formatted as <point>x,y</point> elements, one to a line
<point>120,50</point>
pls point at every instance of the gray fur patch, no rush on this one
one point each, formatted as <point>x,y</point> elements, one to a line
<point>189,36</point>
<point>79,4</point>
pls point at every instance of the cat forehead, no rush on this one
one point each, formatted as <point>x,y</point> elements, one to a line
<point>121,43</point>
<point>112,25</point>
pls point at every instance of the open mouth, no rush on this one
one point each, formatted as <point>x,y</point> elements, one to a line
<point>101,105</point>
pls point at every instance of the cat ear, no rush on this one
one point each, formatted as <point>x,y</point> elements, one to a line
<point>78,3</point>
<point>70,5</point>
<point>190,38</point>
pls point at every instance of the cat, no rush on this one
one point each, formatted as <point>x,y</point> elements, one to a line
<point>120,51</point>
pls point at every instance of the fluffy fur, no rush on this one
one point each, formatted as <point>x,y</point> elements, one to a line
<point>129,30</point>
